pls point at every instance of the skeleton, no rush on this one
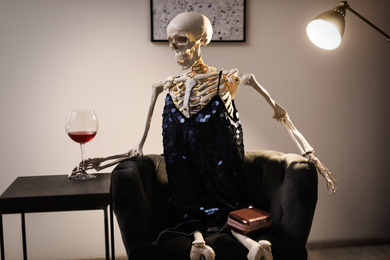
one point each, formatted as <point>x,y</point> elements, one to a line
<point>191,92</point>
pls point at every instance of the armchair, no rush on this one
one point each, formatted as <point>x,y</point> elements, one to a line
<point>283,184</point>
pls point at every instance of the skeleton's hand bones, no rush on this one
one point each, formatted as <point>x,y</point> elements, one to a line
<point>330,181</point>
<point>96,163</point>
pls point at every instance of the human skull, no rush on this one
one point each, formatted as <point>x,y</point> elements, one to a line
<point>186,32</point>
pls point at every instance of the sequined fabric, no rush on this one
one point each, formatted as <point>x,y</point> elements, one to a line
<point>204,161</point>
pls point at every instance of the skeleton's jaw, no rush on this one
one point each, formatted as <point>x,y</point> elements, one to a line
<point>186,59</point>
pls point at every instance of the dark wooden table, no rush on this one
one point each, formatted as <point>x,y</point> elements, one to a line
<point>52,193</point>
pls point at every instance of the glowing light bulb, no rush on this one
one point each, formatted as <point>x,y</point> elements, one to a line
<point>323,34</point>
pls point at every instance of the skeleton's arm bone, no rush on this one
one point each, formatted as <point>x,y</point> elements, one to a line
<point>250,80</point>
<point>304,147</point>
<point>280,114</point>
<point>308,151</point>
<point>157,89</point>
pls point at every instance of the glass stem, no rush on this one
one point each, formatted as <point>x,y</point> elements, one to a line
<point>82,158</point>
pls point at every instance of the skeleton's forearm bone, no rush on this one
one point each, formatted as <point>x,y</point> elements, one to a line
<point>303,145</point>
<point>308,151</point>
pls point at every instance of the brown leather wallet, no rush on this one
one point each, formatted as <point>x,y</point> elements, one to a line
<point>248,220</point>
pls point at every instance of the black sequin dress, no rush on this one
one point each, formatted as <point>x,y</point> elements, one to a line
<point>204,161</point>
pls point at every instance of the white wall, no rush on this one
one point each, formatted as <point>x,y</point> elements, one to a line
<point>61,55</point>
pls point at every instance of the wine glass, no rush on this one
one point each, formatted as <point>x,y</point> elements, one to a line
<point>81,126</point>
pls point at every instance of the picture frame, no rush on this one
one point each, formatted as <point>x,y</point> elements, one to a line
<point>226,16</point>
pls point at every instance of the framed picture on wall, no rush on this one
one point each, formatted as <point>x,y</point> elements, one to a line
<point>226,16</point>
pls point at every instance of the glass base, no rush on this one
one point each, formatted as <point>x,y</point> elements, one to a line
<point>83,176</point>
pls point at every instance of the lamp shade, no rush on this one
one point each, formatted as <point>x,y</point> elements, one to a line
<point>327,29</point>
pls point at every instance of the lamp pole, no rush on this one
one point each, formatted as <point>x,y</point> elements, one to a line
<point>348,7</point>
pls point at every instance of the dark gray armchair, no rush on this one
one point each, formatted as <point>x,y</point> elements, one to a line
<point>283,184</point>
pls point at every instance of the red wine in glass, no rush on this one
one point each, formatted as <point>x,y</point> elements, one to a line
<point>82,137</point>
<point>81,126</point>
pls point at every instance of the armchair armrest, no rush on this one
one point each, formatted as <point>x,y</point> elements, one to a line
<point>286,186</point>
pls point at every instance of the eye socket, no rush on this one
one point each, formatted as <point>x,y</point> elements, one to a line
<point>173,46</point>
<point>181,40</point>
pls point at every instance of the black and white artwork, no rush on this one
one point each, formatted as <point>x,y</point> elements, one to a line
<point>226,16</point>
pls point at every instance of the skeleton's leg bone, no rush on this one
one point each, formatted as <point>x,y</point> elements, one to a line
<point>200,249</point>
<point>256,249</point>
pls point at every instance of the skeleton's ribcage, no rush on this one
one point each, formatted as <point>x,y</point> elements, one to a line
<point>190,101</point>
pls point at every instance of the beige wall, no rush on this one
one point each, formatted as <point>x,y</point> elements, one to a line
<point>60,55</point>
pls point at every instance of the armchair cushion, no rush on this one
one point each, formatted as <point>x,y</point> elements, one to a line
<point>283,184</point>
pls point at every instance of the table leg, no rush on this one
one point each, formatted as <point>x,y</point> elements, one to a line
<point>106,234</point>
<point>1,237</point>
<point>112,233</point>
<point>24,236</point>
<point>112,223</point>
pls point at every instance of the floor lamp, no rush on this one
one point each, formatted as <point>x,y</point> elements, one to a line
<point>327,29</point>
